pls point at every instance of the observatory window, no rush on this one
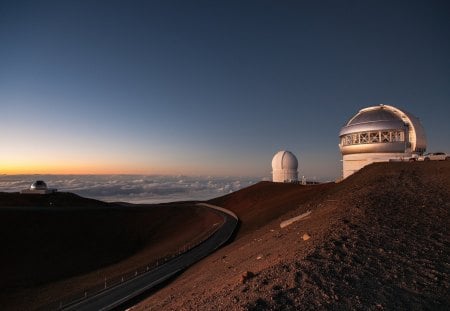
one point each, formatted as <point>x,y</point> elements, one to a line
<point>374,137</point>
<point>352,139</point>
<point>348,140</point>
<point>385,137</point>
<point>398,136</point>
<point>364,138</point>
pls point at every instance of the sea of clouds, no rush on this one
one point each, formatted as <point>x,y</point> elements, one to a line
<point>133,188</point>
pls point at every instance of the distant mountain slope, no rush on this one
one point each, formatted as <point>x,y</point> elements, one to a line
<point>57,199</point>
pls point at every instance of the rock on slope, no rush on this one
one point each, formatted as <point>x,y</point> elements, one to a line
<point>379,240</point>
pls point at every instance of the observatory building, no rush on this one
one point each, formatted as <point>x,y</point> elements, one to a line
<point>38,187</point>
<point>284,167</point>
<point>379,134</point>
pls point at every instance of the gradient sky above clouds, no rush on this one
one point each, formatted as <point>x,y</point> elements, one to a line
<point>211,87</point>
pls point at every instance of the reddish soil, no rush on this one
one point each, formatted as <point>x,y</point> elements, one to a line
<point>59,244</point>
<point>265,201</point>
<point>378,240</point>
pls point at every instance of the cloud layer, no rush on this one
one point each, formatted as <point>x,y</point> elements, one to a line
<point>133,188</point>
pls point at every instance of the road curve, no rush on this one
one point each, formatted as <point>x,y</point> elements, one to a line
<point>117,295</point>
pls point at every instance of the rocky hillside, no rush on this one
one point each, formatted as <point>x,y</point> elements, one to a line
<point>379,240</point>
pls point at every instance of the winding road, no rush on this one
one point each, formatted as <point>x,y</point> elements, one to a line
<point>117,295</point>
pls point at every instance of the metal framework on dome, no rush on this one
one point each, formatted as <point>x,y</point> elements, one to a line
<point>373,137</point>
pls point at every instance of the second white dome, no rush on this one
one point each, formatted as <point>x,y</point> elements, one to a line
<point>284,167</point>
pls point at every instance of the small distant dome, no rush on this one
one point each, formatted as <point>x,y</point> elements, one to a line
<point>38,185</point>
<point>284,167</point>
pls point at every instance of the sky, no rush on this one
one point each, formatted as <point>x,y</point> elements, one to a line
<point>211,87</point>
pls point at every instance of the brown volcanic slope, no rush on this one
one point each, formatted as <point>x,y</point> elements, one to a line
<point>378,240</point>
<point>265,201</point>
<point>54,245</point>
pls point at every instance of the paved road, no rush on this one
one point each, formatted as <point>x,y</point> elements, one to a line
<point>123,292</point>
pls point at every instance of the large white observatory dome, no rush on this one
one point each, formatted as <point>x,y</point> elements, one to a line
<point>378,134</point>
<point>284,167</point>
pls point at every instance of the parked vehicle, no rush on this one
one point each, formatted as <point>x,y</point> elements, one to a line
<point>434,156</point>
<point>412,158</point>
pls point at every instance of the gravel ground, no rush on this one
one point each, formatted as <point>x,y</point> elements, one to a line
<point>377,241</point>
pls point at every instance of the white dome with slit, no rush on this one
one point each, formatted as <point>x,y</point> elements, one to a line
<point>284,167</point>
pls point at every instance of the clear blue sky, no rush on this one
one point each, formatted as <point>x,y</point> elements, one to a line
<point>211,87</point>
